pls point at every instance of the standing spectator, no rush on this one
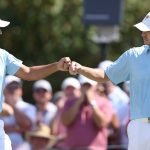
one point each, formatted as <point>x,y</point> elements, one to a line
<point>70,90</point>
<point>22,118</point>
<point>71,87</point>
<point>86,119</point>
<point>45,109</point>
<point>114,126</point>
<point>120,102</point>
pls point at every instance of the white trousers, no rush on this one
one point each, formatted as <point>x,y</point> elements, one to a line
<point>139,135</point>
<point>5,143</point>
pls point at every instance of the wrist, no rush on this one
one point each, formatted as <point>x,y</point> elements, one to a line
<point>80,70</point>
<point>57,66</point>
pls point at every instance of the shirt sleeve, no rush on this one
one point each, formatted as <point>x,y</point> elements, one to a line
<point>12,64</point>
<point>119,71</point>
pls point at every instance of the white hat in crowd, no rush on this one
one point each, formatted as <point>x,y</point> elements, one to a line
<point>145,24</point>
<point>9,79</point>
<point>83,80</point>
<point>70,81</point>
<point>44,84</point>
<point>104,64</point>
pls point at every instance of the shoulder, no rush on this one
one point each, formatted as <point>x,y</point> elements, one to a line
<point>137,50</point>
<point>3,52</point>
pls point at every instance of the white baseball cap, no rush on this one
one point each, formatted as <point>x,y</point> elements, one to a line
<point>44,84</point>
<point>9,79</point>
<point>3,23</point>
<point>145,24</point>
<point>104,64</point>
<point>70,81</point>
<point>83,80</point>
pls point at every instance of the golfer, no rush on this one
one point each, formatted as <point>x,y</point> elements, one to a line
<point>134,66</point>
<point>13,66</point>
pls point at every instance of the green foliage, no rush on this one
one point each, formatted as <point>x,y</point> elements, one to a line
<point>43,31</point>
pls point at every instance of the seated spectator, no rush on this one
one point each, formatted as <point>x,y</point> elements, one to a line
<point>38,139</point>
<point>86,119</point>
<point>22,117</point>
<point>45,109</point>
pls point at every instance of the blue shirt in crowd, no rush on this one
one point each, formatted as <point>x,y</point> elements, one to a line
<point>8,65</point>
<point>134,65</point>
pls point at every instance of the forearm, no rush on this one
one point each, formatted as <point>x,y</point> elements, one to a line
<point>94,74</point>
<point>69,116</point>
<point>99,118</point>
<point>37,72</point>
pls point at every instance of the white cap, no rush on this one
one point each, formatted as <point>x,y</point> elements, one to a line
<point>104,64</point>
<point>44,84</point>
<point>4,23</point>
<point>9,79</point>
<point>70,81</point>
<point>145,24</point>
<point>83,80</point>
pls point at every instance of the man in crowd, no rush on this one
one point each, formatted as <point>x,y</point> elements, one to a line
<point>86,118</point>
<point>22,119</point>
<point>45,109</point>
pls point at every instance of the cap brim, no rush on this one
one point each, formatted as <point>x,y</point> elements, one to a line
<point>142,27</point>
<point>4,23</point>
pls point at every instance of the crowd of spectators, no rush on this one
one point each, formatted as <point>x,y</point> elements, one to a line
<point>83,115</point>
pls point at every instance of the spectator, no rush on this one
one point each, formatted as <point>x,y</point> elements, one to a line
<point>114,126</point>
<point>21,120</point>
<point>120,102</point>
<point>38,139</point>
<point>45,109</point>
<point>86,119</point>
<point>71,87</point>
<point>70,90</point>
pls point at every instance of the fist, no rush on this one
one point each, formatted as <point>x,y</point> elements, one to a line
<point>74,68</point>
<point>63,64</point>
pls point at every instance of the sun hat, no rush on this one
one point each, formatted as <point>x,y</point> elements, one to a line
<point>145,24</point>
<point>41,131</point>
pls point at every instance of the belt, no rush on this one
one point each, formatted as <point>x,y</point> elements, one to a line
<point>146,120</point>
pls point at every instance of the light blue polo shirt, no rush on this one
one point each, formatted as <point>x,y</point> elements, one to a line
<point>134,65</point>
<point>8,65</point>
